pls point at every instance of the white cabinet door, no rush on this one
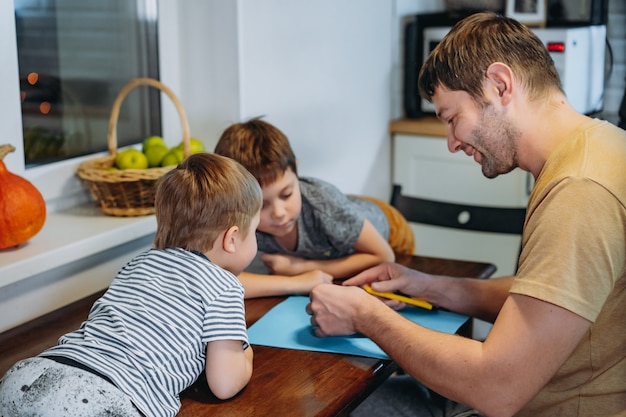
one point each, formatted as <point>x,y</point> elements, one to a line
<point>425,168</point>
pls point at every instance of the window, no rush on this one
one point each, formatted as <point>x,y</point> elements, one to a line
<point>73,57</point>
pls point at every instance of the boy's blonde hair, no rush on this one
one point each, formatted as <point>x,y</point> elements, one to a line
<point>201,198</point>
<point>260,147</point>
<point>460,61</point>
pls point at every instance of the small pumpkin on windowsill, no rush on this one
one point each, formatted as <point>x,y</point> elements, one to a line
<point>22,207</point>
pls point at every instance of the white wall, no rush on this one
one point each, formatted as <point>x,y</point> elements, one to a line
<point>320,71</point>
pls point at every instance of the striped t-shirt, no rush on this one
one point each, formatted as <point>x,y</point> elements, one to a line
<point>148,333</point>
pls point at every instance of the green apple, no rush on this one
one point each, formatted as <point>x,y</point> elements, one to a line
<point>151,141</point>
<point>174,156</point>
<point>195,146</point>
<point>155,154</point>
<point>131,158</point>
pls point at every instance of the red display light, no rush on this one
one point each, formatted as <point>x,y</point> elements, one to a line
<point>556,47</point>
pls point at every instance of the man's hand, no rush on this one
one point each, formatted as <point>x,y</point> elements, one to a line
<point>391,277</point>
<point>335,309</point>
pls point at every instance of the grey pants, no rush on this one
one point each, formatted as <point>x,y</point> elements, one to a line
<point>39,387</point>
<point>403,396</point>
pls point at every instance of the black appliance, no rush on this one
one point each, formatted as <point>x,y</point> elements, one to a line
<point>561,13</point>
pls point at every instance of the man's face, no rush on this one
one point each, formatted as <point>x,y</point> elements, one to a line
<point>480,130</point>
<point>282,204</point>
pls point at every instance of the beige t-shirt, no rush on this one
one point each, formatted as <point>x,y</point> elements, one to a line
<point>574,256</point>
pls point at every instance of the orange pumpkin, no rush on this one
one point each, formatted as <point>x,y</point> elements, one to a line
<point>22,207</point>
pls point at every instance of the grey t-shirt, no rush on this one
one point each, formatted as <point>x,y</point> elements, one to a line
<point>329,224</point>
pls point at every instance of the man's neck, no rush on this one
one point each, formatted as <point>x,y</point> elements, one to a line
<point>550,124</point>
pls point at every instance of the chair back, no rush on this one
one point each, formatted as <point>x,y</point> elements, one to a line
<point>458,216</point>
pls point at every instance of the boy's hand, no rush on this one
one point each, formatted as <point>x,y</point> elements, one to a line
<point>280,264</point>
<point>316,277</point>
<point>302,284</point>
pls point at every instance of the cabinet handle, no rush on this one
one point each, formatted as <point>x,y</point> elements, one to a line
<point>464,217</point>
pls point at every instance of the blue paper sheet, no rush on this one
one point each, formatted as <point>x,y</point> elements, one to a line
<point>287,325</point>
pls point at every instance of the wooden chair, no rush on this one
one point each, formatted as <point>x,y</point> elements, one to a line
<point>458,216</point>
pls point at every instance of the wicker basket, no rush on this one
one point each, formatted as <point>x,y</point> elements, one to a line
<point>128,192</point>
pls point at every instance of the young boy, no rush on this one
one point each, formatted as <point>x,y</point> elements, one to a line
<point>170,313</point>
<point>309,232</point>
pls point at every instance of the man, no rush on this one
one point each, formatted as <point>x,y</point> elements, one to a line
<point>558,345</point>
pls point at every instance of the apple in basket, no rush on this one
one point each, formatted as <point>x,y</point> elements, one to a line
<point>174,156</point>
<point>152,141</point>
<point>155,148</point>
<point>155,154</point>
<point>131,158</point>
<point>195,146</point>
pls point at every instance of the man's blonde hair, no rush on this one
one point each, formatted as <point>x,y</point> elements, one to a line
<point>460,61</point>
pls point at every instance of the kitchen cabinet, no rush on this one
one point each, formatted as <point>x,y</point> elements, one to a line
<point>425,168</point>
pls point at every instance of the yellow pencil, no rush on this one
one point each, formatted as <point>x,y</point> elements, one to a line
<point>393,296</point>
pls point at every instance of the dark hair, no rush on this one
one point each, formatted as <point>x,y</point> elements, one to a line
<point>260,147</point>
<point>202,197</point>
<point>460,61</point>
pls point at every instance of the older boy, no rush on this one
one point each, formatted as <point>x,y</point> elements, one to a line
<point>171,313</point>
<point>309,232</point>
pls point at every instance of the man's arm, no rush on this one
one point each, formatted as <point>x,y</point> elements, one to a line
<point>480,298</point>
<point>530,340</point>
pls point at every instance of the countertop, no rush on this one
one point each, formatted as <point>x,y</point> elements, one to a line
<point>430,126</point>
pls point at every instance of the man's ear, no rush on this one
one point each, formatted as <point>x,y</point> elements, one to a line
<point>229,241</point>
<point>500,80</point>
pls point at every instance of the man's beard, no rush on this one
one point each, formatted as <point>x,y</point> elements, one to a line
<point>497,141</point>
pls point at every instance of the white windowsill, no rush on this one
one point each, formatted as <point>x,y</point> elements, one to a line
<point>70,235</point>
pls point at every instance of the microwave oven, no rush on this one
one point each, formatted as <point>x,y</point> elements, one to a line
<point>578,53</point>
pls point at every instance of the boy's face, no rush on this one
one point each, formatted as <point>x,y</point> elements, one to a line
<point>281,205</point>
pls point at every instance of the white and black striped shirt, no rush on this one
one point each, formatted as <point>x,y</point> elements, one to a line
<point>148,332</point>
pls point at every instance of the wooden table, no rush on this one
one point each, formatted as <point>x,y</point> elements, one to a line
<point>284,382</point>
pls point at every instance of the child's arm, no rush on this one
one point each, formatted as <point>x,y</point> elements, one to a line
<point>371,249</point>
<point>228,367</point>
<point>258,285</point>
